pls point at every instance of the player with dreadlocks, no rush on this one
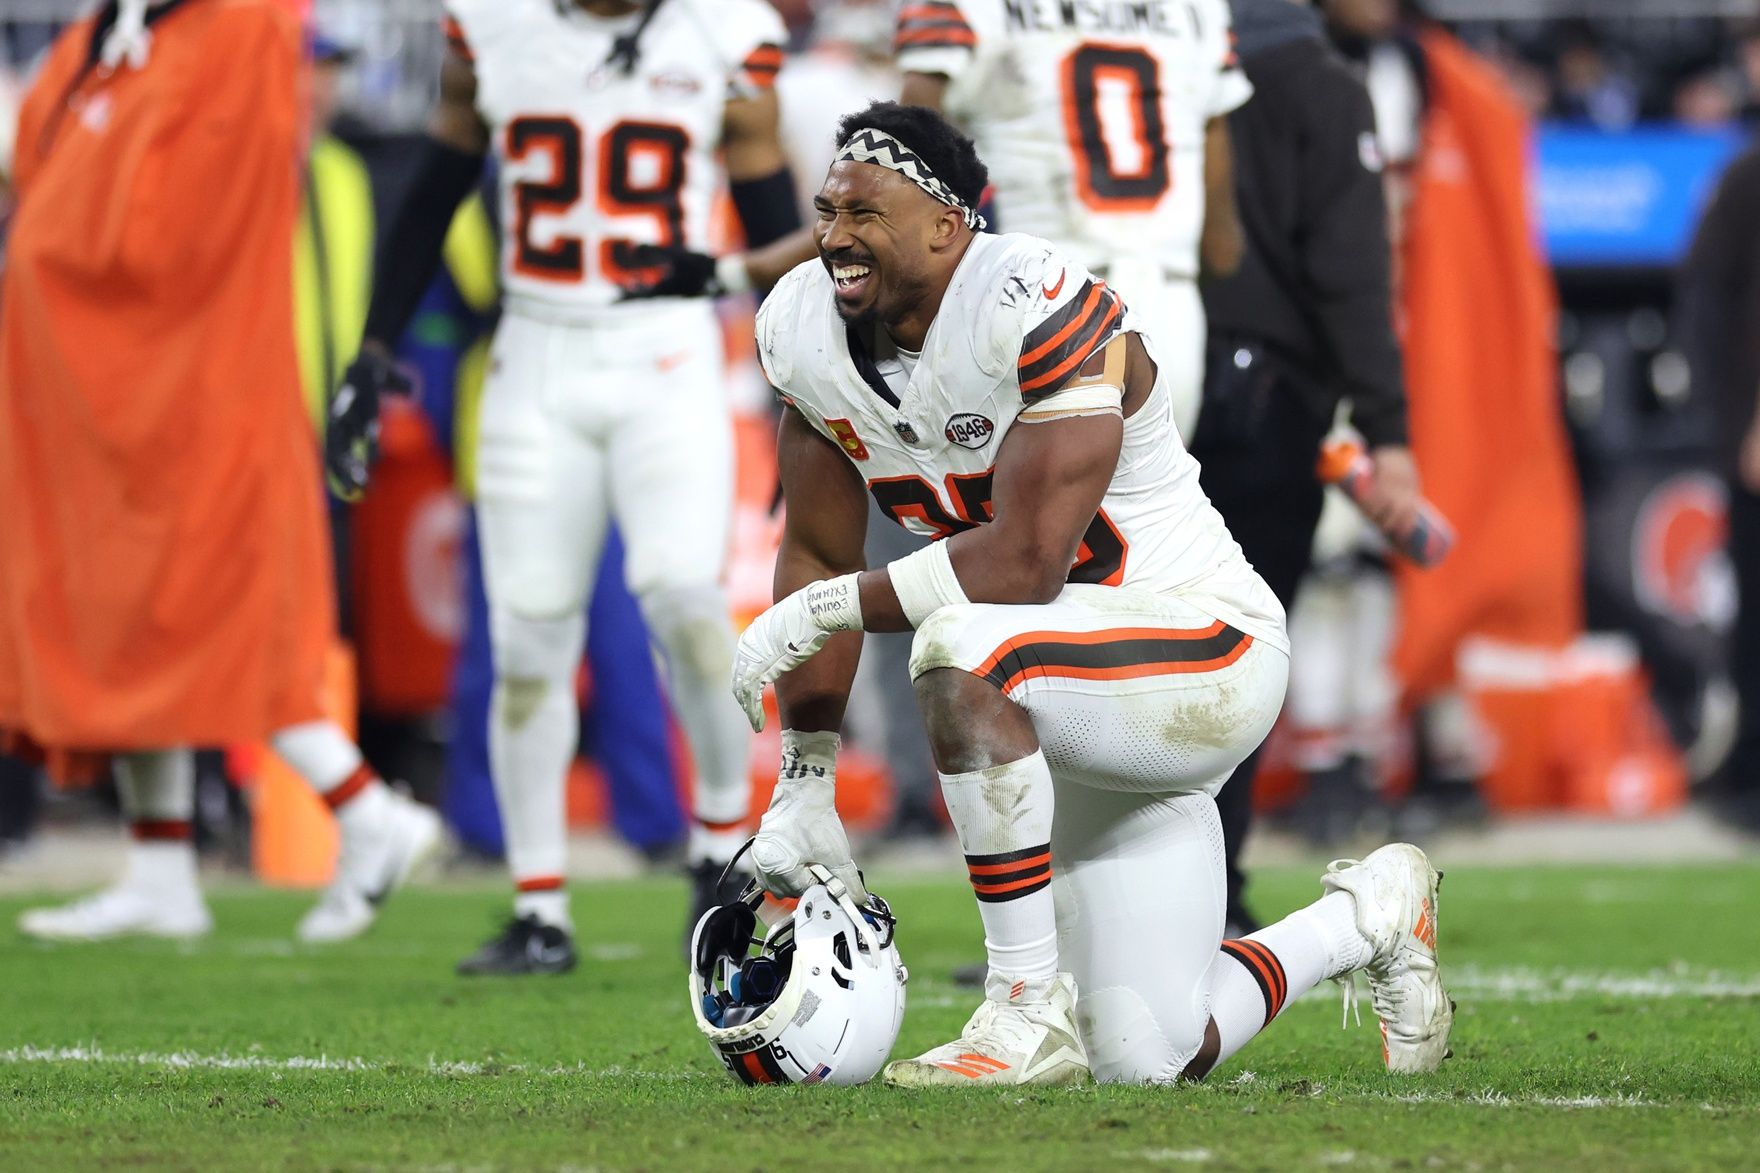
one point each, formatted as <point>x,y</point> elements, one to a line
<point>613,124</point>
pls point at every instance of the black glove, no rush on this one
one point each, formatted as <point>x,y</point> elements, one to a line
<point>351,441</point>
<point>679,272</point>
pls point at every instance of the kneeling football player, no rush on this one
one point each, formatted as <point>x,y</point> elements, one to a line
<point>1093,656</point>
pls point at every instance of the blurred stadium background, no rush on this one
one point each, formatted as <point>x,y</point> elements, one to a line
<point>1597,749</point>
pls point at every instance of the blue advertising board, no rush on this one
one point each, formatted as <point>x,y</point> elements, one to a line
<point>1626,199</point>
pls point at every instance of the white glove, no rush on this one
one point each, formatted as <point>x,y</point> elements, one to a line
<point>788,634</point>
<point>801,827</point>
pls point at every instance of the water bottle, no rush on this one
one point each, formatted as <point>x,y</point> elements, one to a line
<point>1345,464</point>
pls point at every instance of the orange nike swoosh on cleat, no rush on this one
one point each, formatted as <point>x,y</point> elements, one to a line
<point>667,362</point>
<point>1055,289</point>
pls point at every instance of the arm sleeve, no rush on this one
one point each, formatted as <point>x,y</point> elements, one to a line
<point>934,36</point>
<point>1344,254</point>
<point>409,254</point>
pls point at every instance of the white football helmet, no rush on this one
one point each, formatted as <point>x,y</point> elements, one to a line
<point>820,1001</point>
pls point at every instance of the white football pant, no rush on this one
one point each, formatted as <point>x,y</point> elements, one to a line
<point>1144,704</point>
<point>627,420</point>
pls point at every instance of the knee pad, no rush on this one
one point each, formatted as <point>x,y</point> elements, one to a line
<point>536,650</point>
<point>938,642</point>
<point>693,629</point>
<point>1125,1041</point>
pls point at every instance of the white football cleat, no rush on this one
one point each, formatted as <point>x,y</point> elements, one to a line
<point>127,910</point>
<point>374,862</point>
<point>1395,893</point>
<point>1006,1043</point>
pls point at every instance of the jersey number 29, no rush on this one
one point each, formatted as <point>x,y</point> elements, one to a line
<point>657,194</point>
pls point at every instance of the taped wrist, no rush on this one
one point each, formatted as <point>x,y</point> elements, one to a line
<point>767,207</point>
<point>925,582</point>
<point>409,253</point>
<point>835,604</point>
<point>809,760</point>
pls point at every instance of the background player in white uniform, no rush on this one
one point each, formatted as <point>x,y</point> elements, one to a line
<point>1104,127</point>
<point>611,124</point>
<point>1090,643</point>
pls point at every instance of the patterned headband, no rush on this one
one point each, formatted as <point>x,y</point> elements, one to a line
<point>876,146</point>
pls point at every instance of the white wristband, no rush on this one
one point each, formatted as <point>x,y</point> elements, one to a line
<point>835,604</point>
<point>808,758</point>
<point>925,582</point>
<point>731,273</point>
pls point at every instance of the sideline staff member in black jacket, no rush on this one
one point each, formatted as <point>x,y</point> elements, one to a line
<point>1305,322</point>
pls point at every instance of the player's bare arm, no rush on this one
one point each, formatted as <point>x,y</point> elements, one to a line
<point>822,537</point>
<point>409,254</point>
<point>1222,243</point>
<point>1050,479</point>
<point>752,147</point>
<point>763,196</point>
<point>924,89</point>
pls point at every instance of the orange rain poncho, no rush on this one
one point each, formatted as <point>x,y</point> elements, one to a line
<point>164,562</point>
<point>1487,423</point>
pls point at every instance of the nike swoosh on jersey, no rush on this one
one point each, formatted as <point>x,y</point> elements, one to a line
<point>1051,294</point>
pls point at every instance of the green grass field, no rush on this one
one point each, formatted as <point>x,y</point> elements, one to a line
<point>1609,1019</point>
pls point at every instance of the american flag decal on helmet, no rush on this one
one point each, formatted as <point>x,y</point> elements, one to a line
<point>818,1074</point>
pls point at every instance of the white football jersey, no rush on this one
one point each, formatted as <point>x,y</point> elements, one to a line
<point>1089,113</point>
<point>1017,321</point>
<point>593,160</point>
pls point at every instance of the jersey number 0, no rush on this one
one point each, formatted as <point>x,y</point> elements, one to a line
<point>656,194</point>
<point>1123,82</point>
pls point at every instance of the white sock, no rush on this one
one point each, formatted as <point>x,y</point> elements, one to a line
<point>534,727</point>
<point>158,793</point>
<point>548,905</point>
<point>1003,818</point>
<point>715,843</point>
<point>695,635</point>
<point>321,753</point>
<point>1258,976</point>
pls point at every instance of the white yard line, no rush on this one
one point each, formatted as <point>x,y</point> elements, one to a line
<point>1482,984</point>
<point>1566,985</point>
<point>225,1061</point>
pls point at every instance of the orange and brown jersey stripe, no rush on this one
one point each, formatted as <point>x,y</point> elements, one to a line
<point>1056,348</point>
<point>1011,874</point>
<point>1267,972</point>
<point>932,24</point>
<point>1120,653</point>
<point>455,38</point>
<point>755,1067</point>
<point>761,66</point>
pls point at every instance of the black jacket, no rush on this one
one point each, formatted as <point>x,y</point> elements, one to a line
<point>1314,285</point>
<point>1718,303</point>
